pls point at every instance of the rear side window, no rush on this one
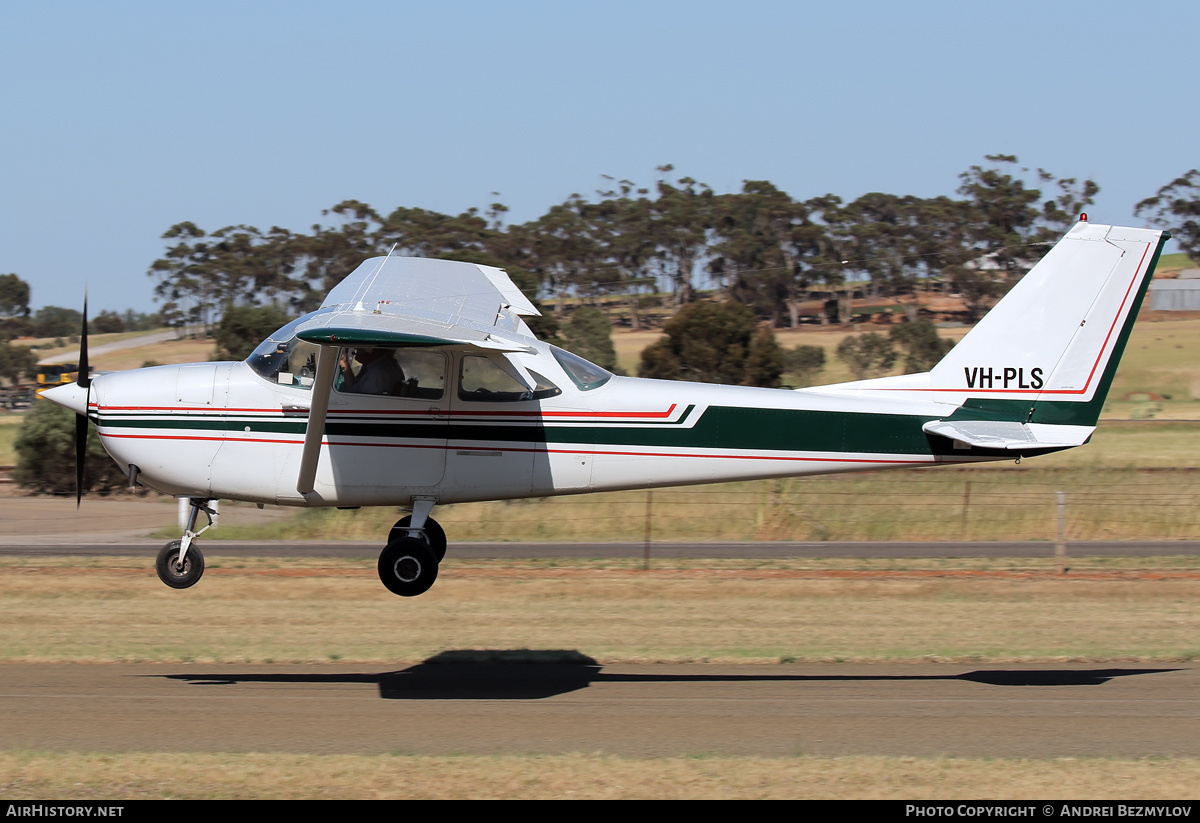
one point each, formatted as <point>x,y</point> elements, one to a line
<point>587,375</point>
<point>481,380</point>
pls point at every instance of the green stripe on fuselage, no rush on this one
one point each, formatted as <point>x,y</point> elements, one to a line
<point>751,430</point>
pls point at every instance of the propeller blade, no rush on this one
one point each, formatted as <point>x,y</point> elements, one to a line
<point>81,435</point>
<point>84,380</point>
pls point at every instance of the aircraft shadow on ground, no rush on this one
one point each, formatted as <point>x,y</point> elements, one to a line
<point>535,675</point>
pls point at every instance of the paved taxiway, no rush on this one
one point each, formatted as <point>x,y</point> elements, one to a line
<point>1031,710</point>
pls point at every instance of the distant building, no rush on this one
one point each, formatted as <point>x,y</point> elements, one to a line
<point>1176,295</point>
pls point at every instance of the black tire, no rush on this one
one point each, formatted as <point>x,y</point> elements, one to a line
<point>407,567</point>
<point>175,576</point>
<point>435,537</point>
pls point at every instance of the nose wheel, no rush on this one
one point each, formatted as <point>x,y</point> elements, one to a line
<point>176,573</point>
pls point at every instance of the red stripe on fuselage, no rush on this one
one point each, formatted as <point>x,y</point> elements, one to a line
<point>592,452</point>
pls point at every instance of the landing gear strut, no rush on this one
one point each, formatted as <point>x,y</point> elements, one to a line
<point>408,565</point>
<point>180,563</point>
<point>433,536</point>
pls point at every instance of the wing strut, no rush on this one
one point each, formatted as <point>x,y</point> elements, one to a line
<point>327,359</point>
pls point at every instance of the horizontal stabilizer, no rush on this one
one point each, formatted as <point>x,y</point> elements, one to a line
<point>997,434</point>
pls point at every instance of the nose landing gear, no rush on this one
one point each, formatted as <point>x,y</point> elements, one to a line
<point>180,563</point>
<point>176,573</point>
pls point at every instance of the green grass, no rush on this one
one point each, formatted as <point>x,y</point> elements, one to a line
<point>10,424</point>
<point>1174,262</point>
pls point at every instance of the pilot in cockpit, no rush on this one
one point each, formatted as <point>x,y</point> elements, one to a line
<point>379,372</point>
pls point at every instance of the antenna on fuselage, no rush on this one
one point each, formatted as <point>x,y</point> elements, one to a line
<point>359,306</point>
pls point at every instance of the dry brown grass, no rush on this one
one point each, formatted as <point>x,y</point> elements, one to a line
<point>744,611</point>
<point>38,776</point>
<point>170,352</point>
<point>1003,502</point>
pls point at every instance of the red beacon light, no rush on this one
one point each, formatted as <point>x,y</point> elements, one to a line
<point>1083,217</point>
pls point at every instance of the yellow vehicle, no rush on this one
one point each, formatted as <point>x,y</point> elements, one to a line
<point>55,374</point>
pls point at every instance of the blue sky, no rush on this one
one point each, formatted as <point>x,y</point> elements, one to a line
<point>119,119</point>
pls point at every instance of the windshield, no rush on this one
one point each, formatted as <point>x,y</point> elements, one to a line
<point>285,359</point>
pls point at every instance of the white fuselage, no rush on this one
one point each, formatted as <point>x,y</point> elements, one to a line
<point>219,430</point>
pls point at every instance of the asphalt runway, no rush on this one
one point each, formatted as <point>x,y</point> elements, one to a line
<point>1033,710</point>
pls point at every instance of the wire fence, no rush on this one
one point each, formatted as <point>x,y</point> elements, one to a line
<point>1013,503</point>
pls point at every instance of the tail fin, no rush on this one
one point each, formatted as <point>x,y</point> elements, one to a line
<point>1047,352</point>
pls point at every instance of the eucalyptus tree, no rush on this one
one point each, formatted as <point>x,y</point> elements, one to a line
<point>879,234</point>
<point>829,257</point>
<point>424,233</point>
<point>1061,212</point>
<point>332,252</point>
<point>207,273</point>
<point>1177,207</point>
<point>620,227</point>
<point>763,239</point>
<point>1005,215</point>
<point>184,274</point>
<point>14,307</point>
<point>681,219</point>
<point>14,297</point>
<point>561,250</point>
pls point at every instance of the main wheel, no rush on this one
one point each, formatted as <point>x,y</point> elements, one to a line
<point>407,567</point>
<point>435,537</point>
<point>174,574</point>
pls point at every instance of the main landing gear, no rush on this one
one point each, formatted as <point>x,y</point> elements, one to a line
<point>408,565</point>
<point>180,563</point>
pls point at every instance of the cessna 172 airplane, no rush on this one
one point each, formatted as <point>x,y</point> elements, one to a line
<point>417,383</point>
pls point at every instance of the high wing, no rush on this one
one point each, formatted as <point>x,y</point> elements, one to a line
<point>409,301</point>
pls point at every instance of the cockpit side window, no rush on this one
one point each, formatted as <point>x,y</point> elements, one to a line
<point>416,373</point>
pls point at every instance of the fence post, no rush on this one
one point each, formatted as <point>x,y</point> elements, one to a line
<point>646,551</point>
<point>966,507</point>
<point>1060,550</point>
